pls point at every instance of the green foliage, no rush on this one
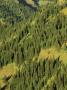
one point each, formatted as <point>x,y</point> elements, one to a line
<point>23,41</point>
<point>23,33</point>
<point>43,75</point>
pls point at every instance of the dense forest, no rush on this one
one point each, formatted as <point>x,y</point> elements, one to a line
<point>33,44</point>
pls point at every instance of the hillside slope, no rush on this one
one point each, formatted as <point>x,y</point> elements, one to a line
<point>34,44</point>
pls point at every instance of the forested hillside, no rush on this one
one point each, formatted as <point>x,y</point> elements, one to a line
<point>33,45</point>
